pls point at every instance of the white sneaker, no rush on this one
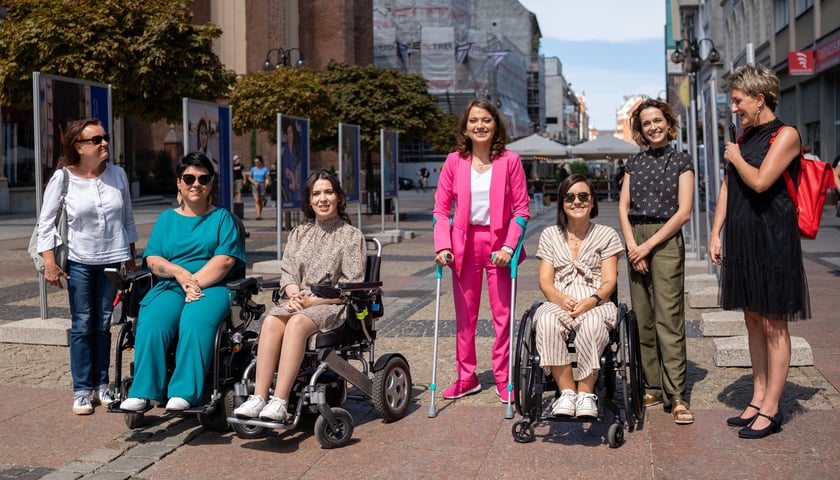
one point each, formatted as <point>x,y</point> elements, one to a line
<point>587,405</point>
<point>103,396</point>
<point>82,405</point>
<point>275,410</point>
<point>177,404</point>
<point>251,408</point>
<point>134,404</point>
<point>565,405</point>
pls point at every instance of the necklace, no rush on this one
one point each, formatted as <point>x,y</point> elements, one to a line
<point>574,239</point>
<point>481,165</point>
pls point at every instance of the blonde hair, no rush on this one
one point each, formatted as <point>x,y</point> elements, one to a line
<point>757,79</point>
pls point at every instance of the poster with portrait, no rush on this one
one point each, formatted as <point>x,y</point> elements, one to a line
<point>207,129</point>
<point>59,101</point>
<point>293,152</point>
<point>389,143</point>
<point>348,160</point>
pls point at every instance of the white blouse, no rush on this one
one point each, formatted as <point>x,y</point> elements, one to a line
<point>100,218</point>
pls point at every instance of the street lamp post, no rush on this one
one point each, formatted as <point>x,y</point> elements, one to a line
<point>283,58</point>
<point>689,53</point>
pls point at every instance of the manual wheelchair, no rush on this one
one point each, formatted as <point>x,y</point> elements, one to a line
<point>620,373</point>
<point>321,385</point>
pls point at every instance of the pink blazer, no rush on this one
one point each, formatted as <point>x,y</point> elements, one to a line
<point>508,199</point>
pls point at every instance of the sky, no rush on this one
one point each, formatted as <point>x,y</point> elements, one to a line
<point>610,49</point>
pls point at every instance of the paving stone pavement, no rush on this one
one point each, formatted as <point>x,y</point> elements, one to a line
<point>32,371</point>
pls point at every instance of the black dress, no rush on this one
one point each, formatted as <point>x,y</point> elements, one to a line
<point>762,256</point>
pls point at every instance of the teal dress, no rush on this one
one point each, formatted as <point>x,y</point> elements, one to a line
<point>189,242</point>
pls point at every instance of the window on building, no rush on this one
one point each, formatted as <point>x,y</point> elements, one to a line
<point>802,5</point>
<point>782,13</point>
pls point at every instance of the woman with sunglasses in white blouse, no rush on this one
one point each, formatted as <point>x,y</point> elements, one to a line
<point>100,234</point>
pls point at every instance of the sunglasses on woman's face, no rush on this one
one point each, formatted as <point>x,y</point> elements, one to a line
<point>189,179</point>
<point>582,196</point>
<point>96,139</point>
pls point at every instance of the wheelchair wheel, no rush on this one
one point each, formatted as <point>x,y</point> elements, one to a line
<point>524,373</point>
<point>133,419</point>
<point>615,435</point>
<point>392,389</point>
<point>334,436</point>
<point>523,432</point>
<point>243,431</point>
<point>631,369</point>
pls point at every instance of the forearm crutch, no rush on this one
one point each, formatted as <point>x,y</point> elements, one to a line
<point>433,386</point>
<point>514,266</point>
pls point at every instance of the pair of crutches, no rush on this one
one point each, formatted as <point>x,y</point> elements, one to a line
<point>514,266</point>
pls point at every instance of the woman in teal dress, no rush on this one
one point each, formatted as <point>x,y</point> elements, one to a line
<point>193,251</point>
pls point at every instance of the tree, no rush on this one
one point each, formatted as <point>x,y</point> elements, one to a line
<point>259,97</point>
<point>376,98</point>
<point>443,136</point>
<point>148,50</point>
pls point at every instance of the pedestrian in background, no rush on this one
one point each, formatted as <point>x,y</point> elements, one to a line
<point>258,176</point>
<point>238,171</point>
<point>760,253</point>
<point>479,174</point>
<point>655,202</point>
<point>539,190</point>
<point>100,234</point>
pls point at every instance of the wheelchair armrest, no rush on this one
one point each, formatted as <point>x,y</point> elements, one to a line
<point>352,287</point>
<point>242,283</point>
<point>270,284</point>
<point>324,291</point>
<point>124,281</point>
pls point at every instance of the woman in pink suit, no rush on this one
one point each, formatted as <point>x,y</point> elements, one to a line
<point>489,188</point>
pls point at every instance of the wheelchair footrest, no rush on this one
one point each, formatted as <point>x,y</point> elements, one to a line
<point>256,422</point>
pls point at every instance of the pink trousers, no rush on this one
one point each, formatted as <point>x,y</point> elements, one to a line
<point>467,292</point>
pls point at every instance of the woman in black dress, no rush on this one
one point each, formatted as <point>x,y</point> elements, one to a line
<point>760,254</point>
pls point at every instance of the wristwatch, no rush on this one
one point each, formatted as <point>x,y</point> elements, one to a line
<point>508,250</point>
<point>597,299</point>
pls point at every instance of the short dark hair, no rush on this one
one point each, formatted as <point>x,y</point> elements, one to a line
<point>199,160</point>
<point>567,184</point>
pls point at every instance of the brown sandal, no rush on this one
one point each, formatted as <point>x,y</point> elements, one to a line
<point>651,400</point>
<point>682,415</point>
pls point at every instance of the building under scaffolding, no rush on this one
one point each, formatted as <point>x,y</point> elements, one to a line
<point>465,49</point>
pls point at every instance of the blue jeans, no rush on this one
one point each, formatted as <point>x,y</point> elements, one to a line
<point>91,303</point>
<point>538,203</point>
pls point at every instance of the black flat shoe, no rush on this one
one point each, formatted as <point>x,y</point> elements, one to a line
<point>740,421</point>
<point>774,427</point>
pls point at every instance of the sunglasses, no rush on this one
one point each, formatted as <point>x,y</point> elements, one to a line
<point>189,179</point>
<point>96,139</point>
<point>570,197</point>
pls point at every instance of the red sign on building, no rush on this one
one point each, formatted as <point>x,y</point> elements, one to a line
<point>801,63</point>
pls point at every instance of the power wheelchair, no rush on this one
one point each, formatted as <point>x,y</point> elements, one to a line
<point>233,343</point>
<point>321,384</point>
<point>619,386</point>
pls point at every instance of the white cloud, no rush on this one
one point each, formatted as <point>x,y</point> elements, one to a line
<point>605,20</point>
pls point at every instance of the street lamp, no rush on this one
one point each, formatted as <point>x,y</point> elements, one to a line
<point>690,50</point>
<point>283,58</point>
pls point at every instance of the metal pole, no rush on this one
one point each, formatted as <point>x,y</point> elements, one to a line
<point>39,183</point>
<point>702,242</point>
<point>692,145</point>
<point>715,155</point>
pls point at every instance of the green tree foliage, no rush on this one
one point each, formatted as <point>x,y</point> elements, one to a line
<point>443,136</point>
<point>376,98</point>
<point>259,97</point>
<point>148,50</point>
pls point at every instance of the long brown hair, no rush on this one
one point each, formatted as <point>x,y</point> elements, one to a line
<point>636,122</point>
<point>497,148</point>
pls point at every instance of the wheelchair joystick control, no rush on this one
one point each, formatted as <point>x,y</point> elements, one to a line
<point>327,281</point>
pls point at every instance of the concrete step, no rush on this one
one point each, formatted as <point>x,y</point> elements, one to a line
<point>37,331</point>
<point>723,324</point>
<point>700,280</point>
<point>734,352</point>
<point>703,297</point>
